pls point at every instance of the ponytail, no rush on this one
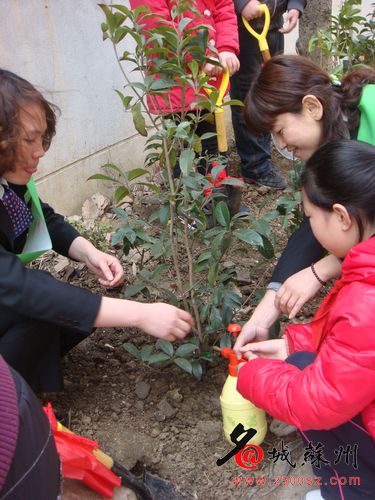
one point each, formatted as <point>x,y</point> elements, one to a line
<point>351,90</point>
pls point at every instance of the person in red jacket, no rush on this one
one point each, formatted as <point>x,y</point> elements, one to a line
<point>323,378</point>
<point>221,19</point>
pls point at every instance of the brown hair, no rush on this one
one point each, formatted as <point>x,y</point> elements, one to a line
<point>15,92</point>
<point>283,82</point>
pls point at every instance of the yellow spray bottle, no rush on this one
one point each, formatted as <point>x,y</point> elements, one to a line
<point>236,409</point>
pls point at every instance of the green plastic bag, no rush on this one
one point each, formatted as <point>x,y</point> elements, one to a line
<point>38,240</point>
<point>366,131</point>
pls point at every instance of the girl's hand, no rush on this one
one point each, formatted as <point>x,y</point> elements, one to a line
<point>164,321</point>
<point>275,348</point>
<point>229,61</point>
<point>251,10</point>
<point>250,331</point>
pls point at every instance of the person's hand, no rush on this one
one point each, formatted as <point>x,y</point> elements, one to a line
<point>165,321</point>
<point>275,348</point>
<point>229,61</point>
<point>296,291</point>
<point>290,20</point>
<point>107,267</point>
<point>212,69</point>
<point>251,10</point>
<point>250,332</point>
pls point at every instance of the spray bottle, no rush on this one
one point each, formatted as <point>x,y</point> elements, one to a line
<point>236,409</point>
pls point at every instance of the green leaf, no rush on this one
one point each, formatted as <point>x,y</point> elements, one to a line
<point>266,249</point>
<point>158,357</point>
<point>186,350</point>
<point>165,346</point>
<point>222,215</point>
<point>197,369</point>
<point>249,236</point>
<point>262,227</point>
<point>146,351</point>
<point>164,214</point>
<point>186,161</point>
<point>121,213</point>
<point>134,290</point>
<point>274,331</point>
<point>138,119</point>
<point>128,346</point>
<point>125,99</point>
<point>101,177</point>
<point>215,171</point>
<point>120,193</point>
<point>226,340</point>
<point>184,364</point>
<point>136,172</point>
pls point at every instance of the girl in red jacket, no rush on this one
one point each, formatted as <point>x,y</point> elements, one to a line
<point>323,378</point>
<point>221,19</point>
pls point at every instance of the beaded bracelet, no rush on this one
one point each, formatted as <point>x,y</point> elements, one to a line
<point>323,283</point>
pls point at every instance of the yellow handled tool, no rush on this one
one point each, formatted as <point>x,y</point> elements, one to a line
<point>261,37</point>
<point>222,143</point>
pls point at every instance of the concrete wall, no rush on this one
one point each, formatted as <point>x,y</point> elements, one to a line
<point>57,45</point>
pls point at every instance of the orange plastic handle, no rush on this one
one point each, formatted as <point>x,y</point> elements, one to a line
<point>228,353</point>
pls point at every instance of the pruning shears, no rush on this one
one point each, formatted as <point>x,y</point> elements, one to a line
<point>261,37</point>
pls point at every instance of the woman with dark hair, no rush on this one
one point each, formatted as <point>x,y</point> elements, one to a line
<point>322,380</point>
<point>41,318</point>
<point>297,102</point>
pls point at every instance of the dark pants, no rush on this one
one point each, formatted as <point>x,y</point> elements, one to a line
<point>35,469</point>
<point>34,348</point>
<point>345,448</point>
<point>254,150</point>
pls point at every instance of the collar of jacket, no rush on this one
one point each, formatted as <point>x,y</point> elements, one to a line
<point>3,183</point>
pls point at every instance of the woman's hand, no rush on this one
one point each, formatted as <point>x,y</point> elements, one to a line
<point>107,267</point>
<point>165,321</point>
<point>302,286</point>
<point>257,327</point>
<point>290,20</point>
<point>275,348</point>
<point>251,10</point>
<point>162,321</point>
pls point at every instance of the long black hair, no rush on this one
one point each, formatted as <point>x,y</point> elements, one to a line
<point>343,172</point>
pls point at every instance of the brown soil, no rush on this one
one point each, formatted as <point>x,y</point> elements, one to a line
<point>165,421</point>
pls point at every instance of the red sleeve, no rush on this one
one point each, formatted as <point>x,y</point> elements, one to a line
<point>332,390</point>
<point>158,7</point>
<point>298,337</point>
<point>226,27</point>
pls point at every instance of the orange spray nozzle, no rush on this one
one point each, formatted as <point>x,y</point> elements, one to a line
<point>234,329</point>
<point>228,353</point>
